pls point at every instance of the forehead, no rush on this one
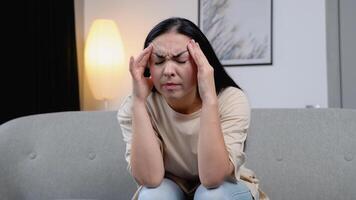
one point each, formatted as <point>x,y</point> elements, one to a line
<point>170,42</point>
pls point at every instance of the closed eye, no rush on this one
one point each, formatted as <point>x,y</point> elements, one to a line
<point>182,57</point>
<point>159,62</point>
<point>181,62</point>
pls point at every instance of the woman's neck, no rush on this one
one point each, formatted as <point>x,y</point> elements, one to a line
<point>186,105</point>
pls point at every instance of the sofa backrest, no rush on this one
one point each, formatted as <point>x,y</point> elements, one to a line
<point>296,154</point>
<point>66,155</point>
<point>304,153</point>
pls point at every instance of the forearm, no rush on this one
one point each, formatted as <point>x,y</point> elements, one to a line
<point>146,157</point>
<point>213,160</point>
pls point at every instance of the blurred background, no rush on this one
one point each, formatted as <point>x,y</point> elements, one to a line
<point>48,67</point>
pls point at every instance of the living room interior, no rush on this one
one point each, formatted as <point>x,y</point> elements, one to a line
<point>59,136</point>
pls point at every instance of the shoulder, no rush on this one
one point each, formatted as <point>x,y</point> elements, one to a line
<point>232,95</point>
<point>233,101</point>
<point>126,106</point>
<point>124,110</point>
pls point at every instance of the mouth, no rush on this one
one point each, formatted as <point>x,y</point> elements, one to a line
<point>170,86</point>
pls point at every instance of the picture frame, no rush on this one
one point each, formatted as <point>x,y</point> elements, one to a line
<point>240,31</point>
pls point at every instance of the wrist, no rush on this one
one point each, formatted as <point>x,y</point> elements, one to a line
<point>213,100</point>
<point>138,102</point>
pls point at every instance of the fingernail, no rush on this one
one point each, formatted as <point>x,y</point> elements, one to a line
<point>193,40</point>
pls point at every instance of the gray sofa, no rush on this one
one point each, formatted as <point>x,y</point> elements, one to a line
<point>298,154</point>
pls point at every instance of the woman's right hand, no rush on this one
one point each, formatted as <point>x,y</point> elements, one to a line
<point>142,86</point>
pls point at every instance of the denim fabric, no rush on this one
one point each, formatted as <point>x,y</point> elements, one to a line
<point>226,191</point>
<point>169,190</point>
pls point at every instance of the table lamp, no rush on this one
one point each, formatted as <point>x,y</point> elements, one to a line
<point>103,55</point>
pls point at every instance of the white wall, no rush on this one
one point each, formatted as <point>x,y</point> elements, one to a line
<point>298,74</point>
<point>297,77</point>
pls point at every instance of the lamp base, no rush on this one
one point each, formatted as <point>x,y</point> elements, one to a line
<point>106,104</point>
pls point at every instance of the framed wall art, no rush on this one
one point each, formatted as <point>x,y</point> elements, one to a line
<point>240,31</point>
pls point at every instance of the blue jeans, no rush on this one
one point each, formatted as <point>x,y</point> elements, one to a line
<point>169,190</point>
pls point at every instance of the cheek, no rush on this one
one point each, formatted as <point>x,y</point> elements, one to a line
<point>191,73</point>
<point>193,68</point>
<point>154,74</point>
<point>193,65</point>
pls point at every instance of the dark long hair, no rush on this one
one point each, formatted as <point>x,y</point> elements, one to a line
<point>188,28</point>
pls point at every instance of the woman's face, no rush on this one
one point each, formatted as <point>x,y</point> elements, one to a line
<point>173,70</point>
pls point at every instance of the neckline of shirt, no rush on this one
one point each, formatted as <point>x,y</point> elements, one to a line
<point>192,115</point>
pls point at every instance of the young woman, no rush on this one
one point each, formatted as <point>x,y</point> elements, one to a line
<point>186,123</point>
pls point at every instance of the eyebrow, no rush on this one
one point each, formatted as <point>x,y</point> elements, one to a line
<point>179,54</point>
<point>158,55</point>
<point>175,56</point>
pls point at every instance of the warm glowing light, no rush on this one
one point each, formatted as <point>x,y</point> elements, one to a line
<point>104,56</point>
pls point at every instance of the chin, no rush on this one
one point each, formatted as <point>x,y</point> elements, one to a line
<point>173,95</point>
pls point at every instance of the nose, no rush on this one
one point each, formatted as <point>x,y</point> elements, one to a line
<point>169,69</point>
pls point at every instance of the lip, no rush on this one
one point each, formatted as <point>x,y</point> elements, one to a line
<point>170,86</point>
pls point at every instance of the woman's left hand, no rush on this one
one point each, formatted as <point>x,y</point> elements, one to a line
<point>205,74</point>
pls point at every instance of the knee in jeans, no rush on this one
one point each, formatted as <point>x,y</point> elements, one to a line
<point>166,190</point>
<point>149,194</point>
<point>203,193</point>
